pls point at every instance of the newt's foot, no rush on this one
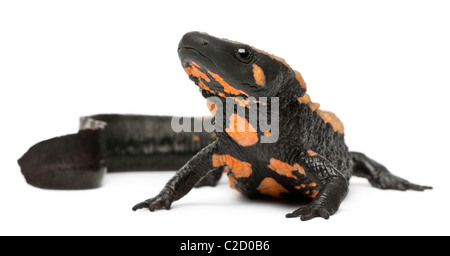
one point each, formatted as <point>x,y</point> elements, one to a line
<point>310,211</point>
<point>163,200</point>
<point>390,181</point>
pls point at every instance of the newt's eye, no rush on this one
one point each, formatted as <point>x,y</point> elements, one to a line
<point>244,55</point>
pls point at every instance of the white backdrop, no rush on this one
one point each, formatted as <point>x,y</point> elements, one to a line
<point>382,66</point>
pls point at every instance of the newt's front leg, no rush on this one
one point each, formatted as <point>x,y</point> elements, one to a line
<point>183,181</point>
<point>334,189</point>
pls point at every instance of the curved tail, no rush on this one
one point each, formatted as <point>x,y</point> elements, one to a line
<point>110,143</point>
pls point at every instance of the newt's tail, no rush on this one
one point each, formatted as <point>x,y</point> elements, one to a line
<point>110,143</point>
<point>379,176</point>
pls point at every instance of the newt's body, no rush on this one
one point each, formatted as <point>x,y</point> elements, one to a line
<point>309,162</point>
<point>306,160</point>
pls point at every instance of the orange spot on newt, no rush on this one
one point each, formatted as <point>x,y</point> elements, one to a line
<point>204,87</point>
<point>226,87</point>
<point>311,153</point>
<point>212,107</point>
<point>259,76</point>
<point>246,102</point>
<point>242,102</point>
<point>285,169</point>
<point>305,99</point>
<point>194,71</point>
<point>314,194</point>
<point>332,119</point>
<point>270,187</point>
<point>327,117</point>
<point>232,180</point>
<point>239,168</point>
<point>242,131</point>
<point>299,78</point>
<point>196,138</point>
<point>312,184</point>
<point>300,187</point>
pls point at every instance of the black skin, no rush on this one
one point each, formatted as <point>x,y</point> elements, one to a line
<point>302,131</point>
<point>309,144</point>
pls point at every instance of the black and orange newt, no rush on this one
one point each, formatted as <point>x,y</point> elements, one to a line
<point>309,162</point>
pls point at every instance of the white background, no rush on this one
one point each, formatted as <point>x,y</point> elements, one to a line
<point>382,66</point>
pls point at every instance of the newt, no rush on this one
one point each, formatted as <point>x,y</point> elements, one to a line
<point>310,162</point>
<point>307,160</point>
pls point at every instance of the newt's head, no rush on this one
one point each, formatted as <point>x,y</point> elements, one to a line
<point>225,68</point>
